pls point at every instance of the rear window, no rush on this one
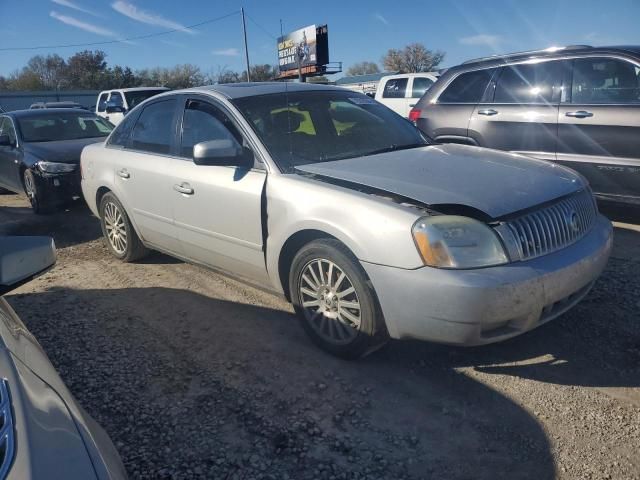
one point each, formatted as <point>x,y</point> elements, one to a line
<point>531,83</point>
<point>420,85</point>
<point>395,88</point>
<point>467,88</point>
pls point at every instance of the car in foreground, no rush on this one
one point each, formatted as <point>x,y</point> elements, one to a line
<point>402,91</point>
<point>578,106</point>
<point>44,432</point>
<point>333,200</point>
<point>40,153</point>
<point>113,105</point>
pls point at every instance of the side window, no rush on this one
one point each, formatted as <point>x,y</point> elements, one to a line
<point>420,85</point>
<point>120,135</point>
<point>395,88</point>
<point>6,128</point>
<point>153,132</point>
<point>604,80</point>
<point>116,99</point>
<point>203,122</point>
<point>102,102</point>
<point>467,88</point>
<point>531,83</point>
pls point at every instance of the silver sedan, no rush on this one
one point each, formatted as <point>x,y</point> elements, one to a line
<point>328,197</point>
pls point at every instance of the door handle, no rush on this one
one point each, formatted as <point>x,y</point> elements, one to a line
<point>123,173</point>
<point>183,188</point>
<point>487,111</point>
<point>579,114</point>
<point>412,105</point>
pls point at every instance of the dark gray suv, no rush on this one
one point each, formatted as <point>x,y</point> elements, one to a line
<point>577,105</point>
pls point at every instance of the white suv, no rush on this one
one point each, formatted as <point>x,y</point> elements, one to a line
<point>401,92</point>
<point>112,105</point>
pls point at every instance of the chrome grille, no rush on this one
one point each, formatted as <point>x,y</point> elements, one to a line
<point>551,228</point>
<point>7,435</point>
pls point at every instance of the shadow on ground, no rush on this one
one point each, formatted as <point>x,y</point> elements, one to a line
<point>222,384</point>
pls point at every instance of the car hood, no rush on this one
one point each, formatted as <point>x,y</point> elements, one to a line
<point>496,183</point>
<point>62,151</point>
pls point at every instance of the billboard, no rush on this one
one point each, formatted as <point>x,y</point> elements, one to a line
<point>306,47</point>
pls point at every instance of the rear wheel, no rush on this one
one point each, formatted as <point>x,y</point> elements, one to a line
<point>335,300</point>
<point>122,239</point>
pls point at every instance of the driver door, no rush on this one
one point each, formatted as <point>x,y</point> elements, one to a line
<point>217,209</point>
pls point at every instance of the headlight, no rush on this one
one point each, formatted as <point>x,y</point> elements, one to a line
<point>55,167</point>
<point>450,241</point>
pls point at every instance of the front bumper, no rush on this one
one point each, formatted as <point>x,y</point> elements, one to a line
<point>59,187</point>
<point>475,307</point>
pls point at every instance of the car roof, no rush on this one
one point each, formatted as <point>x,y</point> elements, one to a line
<point>552,52</point>
<point>135,89</point>
<point>34,112</point>
<point>408,75</point>
<point>251,89</point>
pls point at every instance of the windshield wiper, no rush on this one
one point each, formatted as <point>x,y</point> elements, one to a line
<point>394,147</point>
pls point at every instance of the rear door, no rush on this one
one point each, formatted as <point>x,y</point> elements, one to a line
<point>9,157</point>
<point>599,125</point>
<point>144,171</point>
<point>217,209</point>
<point>522,115</point>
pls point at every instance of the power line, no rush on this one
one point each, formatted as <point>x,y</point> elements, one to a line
<point>122,40</point>
<point>260,26</point>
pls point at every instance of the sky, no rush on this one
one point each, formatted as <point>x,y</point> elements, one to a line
<point>358,30</point>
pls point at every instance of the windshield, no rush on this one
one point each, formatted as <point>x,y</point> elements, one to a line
<point>52,126</point>
<point>139,96</point>
<point>300,128</point>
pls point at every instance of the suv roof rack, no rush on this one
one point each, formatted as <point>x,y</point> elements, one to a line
<point>527,53</point>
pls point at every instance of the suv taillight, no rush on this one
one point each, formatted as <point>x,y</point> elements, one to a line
<point>414,114</point>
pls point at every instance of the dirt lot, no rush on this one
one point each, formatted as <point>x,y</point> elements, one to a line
<point>195,375</point>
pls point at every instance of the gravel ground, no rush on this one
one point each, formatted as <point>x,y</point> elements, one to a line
<point>195,375</point>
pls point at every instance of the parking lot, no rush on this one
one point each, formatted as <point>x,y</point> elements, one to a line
<point>195,375</point>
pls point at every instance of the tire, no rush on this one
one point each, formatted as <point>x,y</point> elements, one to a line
<point>36,199</point>
<point>121,238</point>
<point>340,313</point>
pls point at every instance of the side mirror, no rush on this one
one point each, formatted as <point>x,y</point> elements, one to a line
<point>5,141</point>
<point>221,152</point>
<point>24,258</point>
<point>115,109</point>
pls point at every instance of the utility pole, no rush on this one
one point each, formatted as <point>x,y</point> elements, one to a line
<point>246,48</point>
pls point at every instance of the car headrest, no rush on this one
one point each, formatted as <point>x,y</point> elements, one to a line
<point>287,121</point>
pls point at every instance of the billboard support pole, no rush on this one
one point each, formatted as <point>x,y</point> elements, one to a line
<point>246,48</point>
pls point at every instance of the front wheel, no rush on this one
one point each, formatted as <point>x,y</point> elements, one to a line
<point>122,239</point>
<point>34,193</point>
<point>335,300</point>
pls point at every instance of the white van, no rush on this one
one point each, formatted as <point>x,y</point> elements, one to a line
<point>402,91</point>
<point>113,105</point>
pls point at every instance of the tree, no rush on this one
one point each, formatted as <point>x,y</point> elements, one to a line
<point>122,77</point>
<point>51,70</point>
<point>412,58</point>
<point>88,70</point>
<point>318,79</point>
<point>363,68</point>
<point>261,73</point>
<point>226,75</point>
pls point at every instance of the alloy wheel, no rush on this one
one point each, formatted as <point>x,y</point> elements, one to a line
<point>329,301</point>
<point>30,188</point>
<point>115,226</point>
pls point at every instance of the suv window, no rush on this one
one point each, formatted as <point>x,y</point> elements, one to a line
<point>202,122</point>
<point>467,88</point>
<point>530,83</point>
<point>153,131</point>
<point>116,99</point>
<point>420,85</point>
<point>604,80</point>
<point>395,88</point>
<point>102,102</point>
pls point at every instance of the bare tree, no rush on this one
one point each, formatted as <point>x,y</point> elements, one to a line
<point>363,68</point>
<point>412,58</point>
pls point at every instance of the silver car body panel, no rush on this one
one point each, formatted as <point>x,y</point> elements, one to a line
<point>53,433</point>
<point>458,174</point>
<point>246,218</point>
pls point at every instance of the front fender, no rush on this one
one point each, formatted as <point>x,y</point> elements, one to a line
<point>375,229</point>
